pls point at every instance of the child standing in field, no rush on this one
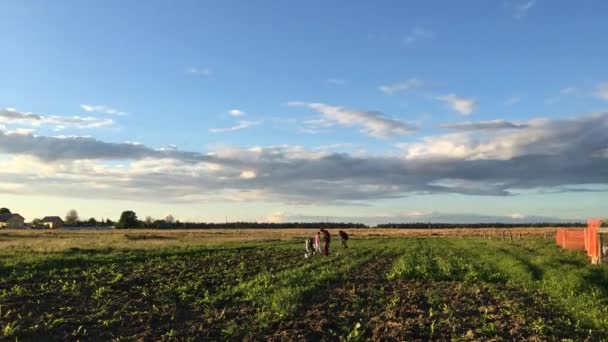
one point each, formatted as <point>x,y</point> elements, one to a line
<point>310,250</point>
<point>317,243</point>
<point>326,239</point>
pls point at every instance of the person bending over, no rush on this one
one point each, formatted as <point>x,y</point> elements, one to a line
<point>344,238</point>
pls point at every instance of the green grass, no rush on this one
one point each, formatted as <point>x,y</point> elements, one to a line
<point>566,276</point>
<point>249,289</point>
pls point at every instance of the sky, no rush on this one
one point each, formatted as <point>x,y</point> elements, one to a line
<point>383,111</point>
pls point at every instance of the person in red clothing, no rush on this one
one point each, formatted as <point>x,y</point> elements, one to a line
<point>318,243</point>
<point>326,239</point>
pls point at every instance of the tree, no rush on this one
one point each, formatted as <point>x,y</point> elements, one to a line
<point>4,211</point>
<point>128,219</point>
<point>148,220</point>
<point>72,217</point>
<point>37,224</point>
<point>170,219</point>
<point>92,222</point>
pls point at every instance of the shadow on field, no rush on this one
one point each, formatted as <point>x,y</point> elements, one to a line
<point>136,237</point>
<point>535,271</point>
<point>597,279</point>
<point>13,236</point>
<point>83,258</point>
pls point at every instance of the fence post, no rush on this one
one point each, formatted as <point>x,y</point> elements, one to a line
<point>520,238</point>
<point>510,237</point>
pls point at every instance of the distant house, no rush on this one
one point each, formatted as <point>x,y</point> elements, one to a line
<point>52,222</point>
<point>11,221</point>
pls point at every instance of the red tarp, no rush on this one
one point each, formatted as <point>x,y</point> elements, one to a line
<point>570,238</point>
<point>586,240</point>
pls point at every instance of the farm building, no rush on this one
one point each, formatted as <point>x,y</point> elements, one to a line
<point>52,222</point>
<point>11,221</point>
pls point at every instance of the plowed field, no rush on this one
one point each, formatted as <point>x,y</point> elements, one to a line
<point>377,289</point>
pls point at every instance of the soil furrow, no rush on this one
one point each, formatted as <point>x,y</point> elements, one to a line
<point>336,312</point>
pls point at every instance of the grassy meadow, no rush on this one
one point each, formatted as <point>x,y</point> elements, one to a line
<point>191,285</point>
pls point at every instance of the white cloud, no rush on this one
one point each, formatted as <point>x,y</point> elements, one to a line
<point>418,33</point>
<point>522,9</point>
<point>236,112</point>
<point>20,131</point>
<point>13,116</point>
<point>241,125</point>
<point>462,105</point>
<point>248,174</point>
<point>372,124</point>
<point>601,91</point>
<point>392,89</point>
<point>517,216</point>
<point>102,109</point>
<point>198,71</point>
<point>276,217</point>
<point>415,213</point>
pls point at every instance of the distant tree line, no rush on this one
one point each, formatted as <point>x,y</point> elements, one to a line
<point>162,224</point>
<point>129,219</point>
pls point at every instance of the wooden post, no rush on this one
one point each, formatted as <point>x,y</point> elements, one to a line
<point>510,237</point>
<point>503,235</point>
<point>520,238</point>
<point>545,235</point>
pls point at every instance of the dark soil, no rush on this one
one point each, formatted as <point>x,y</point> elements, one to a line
<point>140,300</point>
<point>167,298</point>
<point>365,306</point>
<point>336,310</point>
<point>461,311</point>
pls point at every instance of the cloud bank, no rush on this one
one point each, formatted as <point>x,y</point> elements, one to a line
<point>542,155</point>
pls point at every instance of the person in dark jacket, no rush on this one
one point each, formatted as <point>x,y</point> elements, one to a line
<point>344,238</point>
<point>326,239</point>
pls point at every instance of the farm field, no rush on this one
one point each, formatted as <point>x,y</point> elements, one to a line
<point>146,285</point>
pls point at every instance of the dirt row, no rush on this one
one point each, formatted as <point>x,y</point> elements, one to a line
<point>335,311</point>
<point>367,306</point>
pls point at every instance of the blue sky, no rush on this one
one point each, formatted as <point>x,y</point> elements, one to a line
<point>367,110</point>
